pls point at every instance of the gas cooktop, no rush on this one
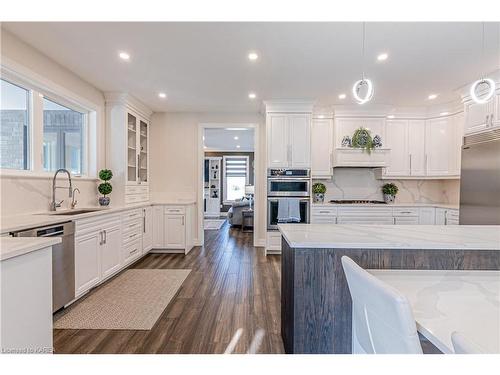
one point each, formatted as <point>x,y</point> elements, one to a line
<point>356,201</point>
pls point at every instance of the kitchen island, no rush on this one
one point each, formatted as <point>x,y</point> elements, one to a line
<point>316,305</point>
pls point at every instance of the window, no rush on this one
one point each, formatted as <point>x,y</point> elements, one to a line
<point>63,138</point>
<point>14,136</point>
<point>236,176</point>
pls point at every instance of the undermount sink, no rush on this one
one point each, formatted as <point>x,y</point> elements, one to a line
<point>75,212</point>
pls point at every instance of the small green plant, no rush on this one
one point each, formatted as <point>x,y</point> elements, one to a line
<point>363,139</point>
<point>105,187</point>
<point>390,189</point>
<point>319,188</point>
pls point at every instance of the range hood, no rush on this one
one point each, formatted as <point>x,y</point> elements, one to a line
<point>357,157</point>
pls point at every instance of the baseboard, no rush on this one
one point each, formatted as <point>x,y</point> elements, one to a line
<point>260,243</point>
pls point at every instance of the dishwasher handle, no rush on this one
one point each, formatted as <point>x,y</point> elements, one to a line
<point>50,232</point>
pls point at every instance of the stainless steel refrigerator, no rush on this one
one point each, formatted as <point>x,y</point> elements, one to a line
<point>480,179</point>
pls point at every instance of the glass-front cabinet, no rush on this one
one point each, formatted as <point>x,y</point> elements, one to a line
<point>137,150</point>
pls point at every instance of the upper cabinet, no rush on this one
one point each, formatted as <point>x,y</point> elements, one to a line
<point>321,147</point>
<point>424,148</point>
<point>127,151</point>
<point>288,140</point>
<point>479,117</point>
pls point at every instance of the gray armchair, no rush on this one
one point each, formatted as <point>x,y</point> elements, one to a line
<point>234,215</point>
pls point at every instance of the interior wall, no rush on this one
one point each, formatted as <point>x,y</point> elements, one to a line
<point>22,195</point>
<point>360,183</point>
<point>174,155</point>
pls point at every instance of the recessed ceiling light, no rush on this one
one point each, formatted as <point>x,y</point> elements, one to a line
<point>382,57</point>
<point>390,116</point>
<point>432,96</point>
<point>444,113</point>
<point>237,146</point>
<point>342,96</point>
<point>124,56</point>
<point>236,138</point>
<point>321,116</point>
<point>252,56</point>
<point>252,95</point>
<point>162,95</point>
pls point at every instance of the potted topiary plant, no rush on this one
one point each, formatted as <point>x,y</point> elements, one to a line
<point>362,139</point>
<point>319,191</point>
<point>390,190</point>
<point>105,187</point>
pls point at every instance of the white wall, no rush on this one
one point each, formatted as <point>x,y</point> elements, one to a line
<point>360,183</point>
<point>21,195</point>
<point>174,155</point>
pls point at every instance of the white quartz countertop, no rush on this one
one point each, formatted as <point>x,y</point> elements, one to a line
<point>448,301</point>
<point>11,247</point>
<point>22,222</point>
<point>398,204</point>
<point>457,237</point>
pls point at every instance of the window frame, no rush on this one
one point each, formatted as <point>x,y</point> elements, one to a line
<point>35,138</point>
<point>224,184</point>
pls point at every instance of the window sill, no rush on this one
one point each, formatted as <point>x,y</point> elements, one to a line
<point>7,173</point>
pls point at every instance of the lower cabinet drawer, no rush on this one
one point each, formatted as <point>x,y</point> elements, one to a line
<point>175,210</point>
<point>273,241</point>
<point>406,220</point>
<point>136,198</point>
<point>323,219</point>
<point>132,250</point>
<point>365,220</point>
<point>131,237</point>
<point>405,211</point>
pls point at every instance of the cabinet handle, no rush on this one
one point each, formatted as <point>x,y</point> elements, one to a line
<point>138,166</point>
<point>491,119</point>
<point>183,220</point>
<point>426,163</point>
<point>101,240</point>
<point>394,220</point>
<point>410,163</point>
<point>105,237</point>
<point>144,222</point>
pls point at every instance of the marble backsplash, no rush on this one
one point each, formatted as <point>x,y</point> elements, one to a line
<point>360,183</point>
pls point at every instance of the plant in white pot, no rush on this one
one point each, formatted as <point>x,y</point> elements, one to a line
<point>390,190</point>
<point>319,191</point>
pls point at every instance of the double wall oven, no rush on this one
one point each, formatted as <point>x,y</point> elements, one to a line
<point>286,184</point>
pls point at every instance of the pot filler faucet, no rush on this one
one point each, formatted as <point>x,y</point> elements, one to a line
<point>53,203</point>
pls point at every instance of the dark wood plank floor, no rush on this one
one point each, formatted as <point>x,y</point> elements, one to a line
<point>232,285</point>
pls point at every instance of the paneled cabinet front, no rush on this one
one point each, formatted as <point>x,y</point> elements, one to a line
<point>87,261</point>
<point>110,251</point>
<point>174,231</point>
<point>321,147</point>
<point>147,230</point>
<point>289,140</point>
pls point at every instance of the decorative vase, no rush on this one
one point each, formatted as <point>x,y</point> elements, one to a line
<point>388,198</point>
<point>104,201</point>
<point>319,197</point>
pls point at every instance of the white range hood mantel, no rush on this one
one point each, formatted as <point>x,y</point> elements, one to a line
<point>356,157</point>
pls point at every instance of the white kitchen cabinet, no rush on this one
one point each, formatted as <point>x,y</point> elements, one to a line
<point>147,230</point>
<point>406,220</point>
<point>323,214</point>
<point>158,216</point>
<point>456,146</point>
<point>427,216</point>
<point>416,147</point>
<point>321,148</point>
<point>174,231</point>
<point>440,216</point>
<point>110,250</point>
<point>397,141</point>
<point>127,151</point>
<point>438,141</point>
<point>479,117</point>
<point>87,261</point>
<point>288,140</point>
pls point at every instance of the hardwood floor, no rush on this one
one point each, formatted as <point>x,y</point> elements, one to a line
<point>232,285</point>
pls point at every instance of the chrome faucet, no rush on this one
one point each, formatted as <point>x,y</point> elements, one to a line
<point>54,204</point>
<point>74,201</point>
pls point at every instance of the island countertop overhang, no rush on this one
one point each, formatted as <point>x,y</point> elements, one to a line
<point>411,237</point>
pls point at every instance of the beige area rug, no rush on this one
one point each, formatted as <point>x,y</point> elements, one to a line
<point>133,300</point>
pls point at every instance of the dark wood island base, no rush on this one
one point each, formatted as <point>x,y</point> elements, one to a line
<point>315,299</point>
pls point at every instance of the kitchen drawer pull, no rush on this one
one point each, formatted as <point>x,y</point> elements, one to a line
<point>132,235</point>
<point>134,251</point>
<point>324,212</point>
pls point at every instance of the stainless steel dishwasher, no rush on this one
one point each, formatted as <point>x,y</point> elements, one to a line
<point>63,260</point>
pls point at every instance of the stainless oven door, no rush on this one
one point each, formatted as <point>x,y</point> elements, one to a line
<point>288,187</point>
<point>272,212</point>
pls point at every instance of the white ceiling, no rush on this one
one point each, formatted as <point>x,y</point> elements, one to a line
<point>221,139</point>
<point>204,66</point>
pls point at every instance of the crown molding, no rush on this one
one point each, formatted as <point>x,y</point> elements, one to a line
<point>289,106</point>
<point>128,100</point>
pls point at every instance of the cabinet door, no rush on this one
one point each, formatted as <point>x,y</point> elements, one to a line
<point>110,251</point>
<point>440,216</point>
<point>143,151</point>
<point>397,141</point>
<point>158,227</point>
<point>299,129</point>
<point>477,116</point>
<point>132,152</point>
<point>147,230</point>
<point>457,130</point>
<point>87,267</point>
<point>437,146</point>
<point>416,147</point>
<point>427,216</point>
<point>277,141</point>
<point>175,231</point>
<point>321,147</point>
